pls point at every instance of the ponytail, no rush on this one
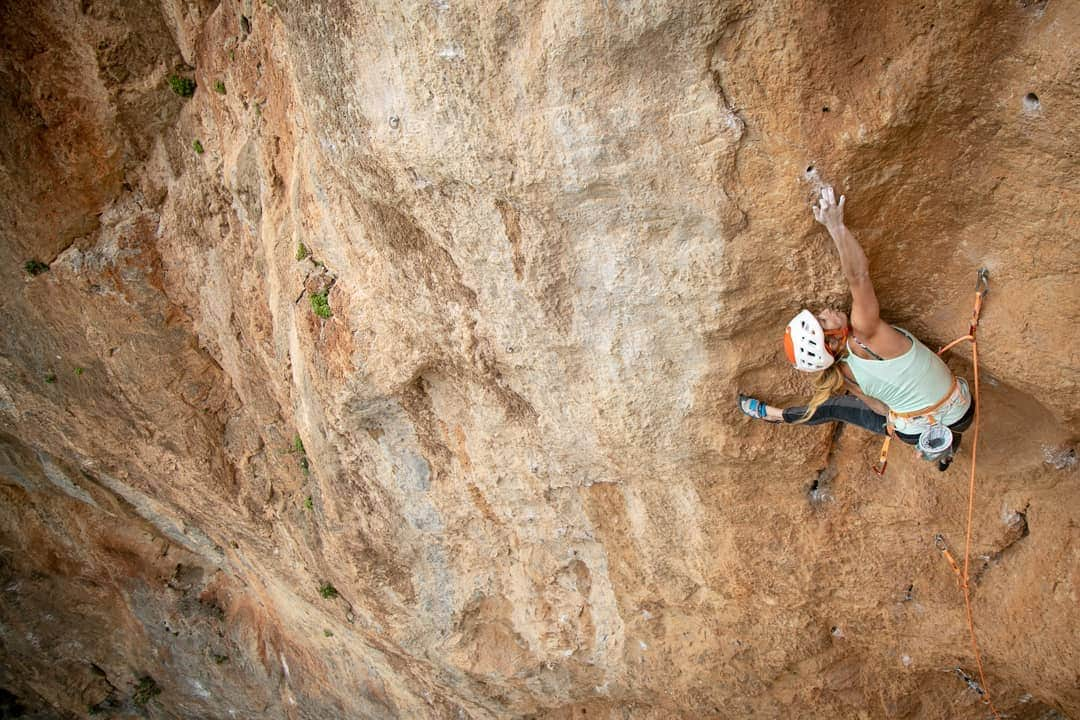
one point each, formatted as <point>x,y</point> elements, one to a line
<point>827,383</point>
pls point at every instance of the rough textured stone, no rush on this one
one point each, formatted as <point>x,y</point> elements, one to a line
<point>554,239</point>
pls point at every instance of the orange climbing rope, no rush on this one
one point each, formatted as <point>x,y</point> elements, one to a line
<point>981,288</point>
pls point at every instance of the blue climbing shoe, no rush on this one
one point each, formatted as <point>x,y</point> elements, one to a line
<point>754,408</point>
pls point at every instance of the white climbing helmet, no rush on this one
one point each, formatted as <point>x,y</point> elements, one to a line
<point>804,343</point>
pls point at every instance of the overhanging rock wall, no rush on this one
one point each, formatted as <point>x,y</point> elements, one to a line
<point>504,476</point>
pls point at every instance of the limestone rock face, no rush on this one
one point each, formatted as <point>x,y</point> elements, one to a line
<point>391,374</point>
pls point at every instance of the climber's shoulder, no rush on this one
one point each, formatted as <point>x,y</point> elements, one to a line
<point>886,341</point>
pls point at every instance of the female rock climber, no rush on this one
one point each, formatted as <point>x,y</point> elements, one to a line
<point>894,379</point>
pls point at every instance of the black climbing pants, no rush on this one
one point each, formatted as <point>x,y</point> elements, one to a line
<point>853,411</point>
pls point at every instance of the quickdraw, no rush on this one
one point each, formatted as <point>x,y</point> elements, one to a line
<point>883,456</point>
<point>939,543</point>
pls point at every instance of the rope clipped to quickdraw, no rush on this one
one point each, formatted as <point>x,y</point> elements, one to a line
<point>982,287</point>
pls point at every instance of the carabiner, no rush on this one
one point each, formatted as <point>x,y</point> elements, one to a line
<point>939,542</point>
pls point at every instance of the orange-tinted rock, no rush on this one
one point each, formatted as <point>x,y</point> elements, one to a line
<point>502,473</point>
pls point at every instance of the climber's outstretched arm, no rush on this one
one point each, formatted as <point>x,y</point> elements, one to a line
<point>865,312</point>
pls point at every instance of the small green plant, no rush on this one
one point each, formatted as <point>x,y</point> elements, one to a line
<point>308,504</point>
<point>219,659</point>
<point>301,251</point>
<point>50,378</point>
<point>182,86</point>
<point>35,267</point>
<point>297,448</point>
<point>145,691</point>
<point>197,147</point>
<point>328,591</point>
<point>219,87</point>
<point>79,370</point>
<point>319,304</point>
<point>328,633</point>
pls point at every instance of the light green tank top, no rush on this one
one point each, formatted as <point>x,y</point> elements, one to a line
<point>908,383</point>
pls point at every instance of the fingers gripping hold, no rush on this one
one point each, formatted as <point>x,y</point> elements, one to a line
<point>827,211</point>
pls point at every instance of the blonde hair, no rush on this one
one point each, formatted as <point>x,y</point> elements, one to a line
<point>827,383</point>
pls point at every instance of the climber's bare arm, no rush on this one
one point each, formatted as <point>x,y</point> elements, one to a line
<point>865,312</point>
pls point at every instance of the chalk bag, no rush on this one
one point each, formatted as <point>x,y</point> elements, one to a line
<point>935,442</point>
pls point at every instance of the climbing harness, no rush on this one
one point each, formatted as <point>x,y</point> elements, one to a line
<point>932,427</point>
<point>982,286</point>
